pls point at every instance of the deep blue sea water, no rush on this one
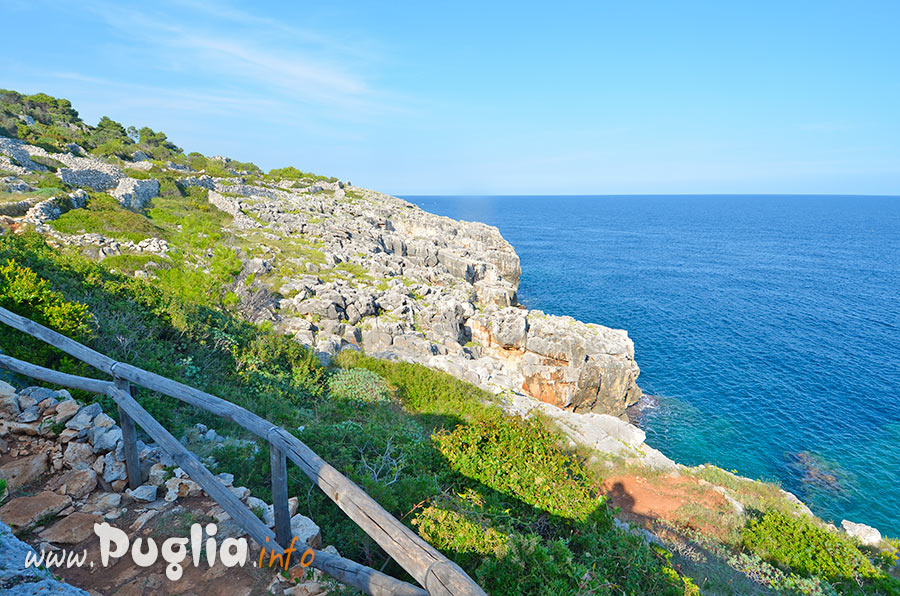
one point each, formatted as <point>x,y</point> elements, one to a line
<point>768,326</point>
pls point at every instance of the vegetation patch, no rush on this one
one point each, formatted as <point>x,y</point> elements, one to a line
<point>104,215</point>
<point>797,544</point>
<point>129,263</point>
<point>358,384</point>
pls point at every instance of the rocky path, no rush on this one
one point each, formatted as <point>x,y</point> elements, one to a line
<point>64,472</point>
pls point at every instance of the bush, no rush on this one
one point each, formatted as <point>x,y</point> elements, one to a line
<point>104,215</point>
<point>461,532</point>
<point>358,384</point>
<point>24,293</point>
<point>521,458</point>
<point>797,545</point>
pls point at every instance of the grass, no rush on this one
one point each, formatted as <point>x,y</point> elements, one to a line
<point>753,494</point>
<point>354,269</point>
<point>129,263</point>
<point>41,193</point>
<point>104,215</point>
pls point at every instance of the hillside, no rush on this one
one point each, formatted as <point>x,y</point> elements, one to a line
<point>391,340</point>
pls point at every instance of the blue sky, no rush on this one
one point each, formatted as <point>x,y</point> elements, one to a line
<point>499,98</point>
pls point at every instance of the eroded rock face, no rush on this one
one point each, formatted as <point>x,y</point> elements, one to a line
<point>373,272</point>
<point>561,361</point>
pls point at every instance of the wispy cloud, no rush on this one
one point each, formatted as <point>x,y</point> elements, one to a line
<point>225,47</point>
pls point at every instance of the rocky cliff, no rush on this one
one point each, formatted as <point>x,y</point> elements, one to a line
<point>342,267</point>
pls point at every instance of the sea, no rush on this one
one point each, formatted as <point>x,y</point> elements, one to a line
<point>767,328</point>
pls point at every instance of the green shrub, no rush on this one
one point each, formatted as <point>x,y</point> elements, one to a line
<point>129,263</point>
<point>455,531</point>
<point>521,458</point>
<point>206,287</point>
<point>23,292</point>
<point>45,180</point>
<point>531,566</point>
<point>358,384</point>
<point>621,565</point>
<point>104,215</point>
<point>798,545</point>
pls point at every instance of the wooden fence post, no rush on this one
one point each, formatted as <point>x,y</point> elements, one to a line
<point>280,496</point>
<point>129,440</point>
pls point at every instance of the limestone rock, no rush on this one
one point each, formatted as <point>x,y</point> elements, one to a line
<point>310,588</point>
<point>113,469</point>
<point>135,194</point>
<point>100,503</point>
<point>867,535</point>
<point>72,529</point>
<point>84,417</point>
<point>9,406</point>
<point>180,488</point>
<point>306,531</point>
<point>16,580</point>
<point>65,410</point>
<point>157,476</point>
<point>78,455</point>
<point>145,493</point>
<point>24,512</point>
<point>107,439</point>
<point>75,483</point>
<point>24,470</point>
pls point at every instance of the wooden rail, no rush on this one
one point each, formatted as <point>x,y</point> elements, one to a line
<point>432,570</point>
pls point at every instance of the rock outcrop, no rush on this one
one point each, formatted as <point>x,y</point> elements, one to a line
<point>364,270</point>
<point>18,157</point>
<point>53,207</point>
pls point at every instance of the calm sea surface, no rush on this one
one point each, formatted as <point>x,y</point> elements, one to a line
<point>768,326</point>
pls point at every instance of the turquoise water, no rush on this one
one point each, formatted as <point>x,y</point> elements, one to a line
<point>769,326</point>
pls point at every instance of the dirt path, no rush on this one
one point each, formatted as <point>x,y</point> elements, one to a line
<point>676,499</point>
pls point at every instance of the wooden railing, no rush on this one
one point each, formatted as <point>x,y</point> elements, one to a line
<point>432,570</point>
